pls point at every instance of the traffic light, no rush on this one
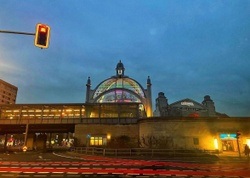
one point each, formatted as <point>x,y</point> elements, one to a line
<point>42,36</point>
<point>238,134</point>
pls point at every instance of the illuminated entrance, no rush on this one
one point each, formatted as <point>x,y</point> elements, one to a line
<point>229,142</point>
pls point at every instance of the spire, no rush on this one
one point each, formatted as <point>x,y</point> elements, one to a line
<point>88,82</point>
<point>120,69</point>
<point>88,89</point>
<point>149,96</point>
<point>149,81</point>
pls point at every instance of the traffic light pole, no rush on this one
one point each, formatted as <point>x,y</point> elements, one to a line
<point>237,139</point>
<point>42,35</point>
<point>19,33</point>
<point>238,147</point>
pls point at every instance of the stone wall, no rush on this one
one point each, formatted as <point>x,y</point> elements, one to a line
<point>83,130</point>
<point>177,133</point>
<point>193,133</point>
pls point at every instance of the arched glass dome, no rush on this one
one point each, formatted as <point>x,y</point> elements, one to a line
<point>121,94</point>
<point>119,90</point>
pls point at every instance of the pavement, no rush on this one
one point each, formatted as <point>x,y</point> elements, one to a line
<point>225,158</point>
<point>67,164</point>
<point>222,157</point>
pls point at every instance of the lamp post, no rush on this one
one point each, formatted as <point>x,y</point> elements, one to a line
<point>237,137</point>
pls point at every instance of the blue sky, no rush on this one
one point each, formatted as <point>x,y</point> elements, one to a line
<point>189,48</point>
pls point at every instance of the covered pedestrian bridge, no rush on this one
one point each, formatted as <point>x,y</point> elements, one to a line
<point>27,122</point>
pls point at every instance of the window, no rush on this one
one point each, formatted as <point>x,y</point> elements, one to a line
<point>97,141</point>
<point>196,141</point>
<point>248,142</point>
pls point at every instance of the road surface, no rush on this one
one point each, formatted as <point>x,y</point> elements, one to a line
<point>63,165</point>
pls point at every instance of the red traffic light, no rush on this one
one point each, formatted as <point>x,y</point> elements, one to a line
<point>43,29</point>
<point>42,36</point>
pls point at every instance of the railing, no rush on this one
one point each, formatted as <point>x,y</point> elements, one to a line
<point>143,152</point>
<point>41,121</point>
<point>70,121</point>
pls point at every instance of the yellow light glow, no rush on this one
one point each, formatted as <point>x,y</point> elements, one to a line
<point>216,144</point>
<point>43,29</point>
<point>108,136</point>
<point>248,142</point>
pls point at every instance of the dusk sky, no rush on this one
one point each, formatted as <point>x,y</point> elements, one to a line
<point>189,48</point>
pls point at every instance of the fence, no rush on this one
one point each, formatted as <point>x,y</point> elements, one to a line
<point>143,152</point>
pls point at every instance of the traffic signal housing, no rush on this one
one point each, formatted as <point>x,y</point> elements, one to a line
<point>42,35</point>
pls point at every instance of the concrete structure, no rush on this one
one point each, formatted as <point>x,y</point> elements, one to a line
<point>195,133</point>
<point>8,93</point>
<point>106,134</point>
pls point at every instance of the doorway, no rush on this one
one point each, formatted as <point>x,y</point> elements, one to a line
<point>229,145</point>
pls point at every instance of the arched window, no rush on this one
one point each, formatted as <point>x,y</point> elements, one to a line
<point>121,90</point>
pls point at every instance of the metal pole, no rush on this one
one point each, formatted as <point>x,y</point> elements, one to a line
<point>238,147</point>
<point>19,33</point>
<point>5,142</point>
<point>26,134</point>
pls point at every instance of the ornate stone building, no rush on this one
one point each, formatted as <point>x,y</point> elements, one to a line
<point>120,89</point>
<point>186,108</point>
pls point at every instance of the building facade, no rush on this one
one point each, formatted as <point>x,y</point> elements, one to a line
<point>118,113</point>
<point>207,133</point>
<point>120,89</point>
<point>184,124</point>
<point>8,93</point>
<point>185,108</point>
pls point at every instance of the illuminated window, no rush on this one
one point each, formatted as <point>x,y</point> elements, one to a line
<point>248,142</point>
<point>216,144</point>
<point>120,72</point>
<point>121,83</point>
<point>98,141</point>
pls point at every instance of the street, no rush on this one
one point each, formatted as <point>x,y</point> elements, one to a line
<point>69,165</point>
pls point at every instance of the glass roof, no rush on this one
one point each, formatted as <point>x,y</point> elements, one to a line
<point>118,95</point>
<point>121,90</point>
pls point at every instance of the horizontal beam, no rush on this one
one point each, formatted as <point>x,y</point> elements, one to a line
<point>19,33</point>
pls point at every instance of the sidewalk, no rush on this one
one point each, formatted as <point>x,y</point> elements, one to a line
<point>233,156</point>
<point>227,158</point>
